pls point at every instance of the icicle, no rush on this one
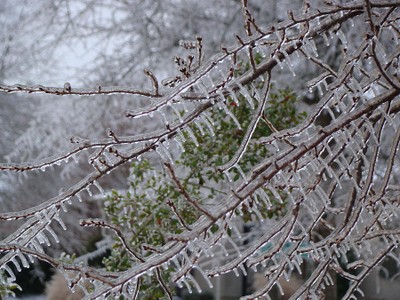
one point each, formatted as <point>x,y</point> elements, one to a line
<point>164,117</point>
<point>189,288</point>
<point>260,50</point>
<point>195,283</point>
<point>176,262</point>
<point>98,186</point>
<point>342,37</point>
<point>233,228</point>
<point>235,270</point>
<point>289,63</point>
<point>53,234</point>
<point>42,238</point>
<point>337,252</point>
<point>279,62</point>
<point>16,264</point>
<point>203,89</point>
<point>309,44</point>
<point>9,271</point>
<point>198,125</point>
<point>239,169</point>
<point>286,275</point>
<point>81,284</point>
<point>64,208</point>
<point>280,289</point>
<point>254,268</point>
<point>264,197</point>
<point>60,221</point>
<point>31,258</point>
<point>323,196</point>
<point>225,252</point>
<point>233,95</point>
<point>192,136</point>
<point>380,50</point>
<point>230,114</point>
<point>203,274</point>
<point>258,214</point>
<point>327,43</point>
<point>76,160</point>
<point>161,153</point>
<point>178,142</point>
<point>89,191</point>
<point>297,265</point>
<point>276,194</point>
<point>23,260</point>
<point>229,239</point>
<point>79,197</point>
<point>245,93</point>
<point>177,113</point>
<point>206,121</point>
<point>226,172</point>
<point>241,266</point>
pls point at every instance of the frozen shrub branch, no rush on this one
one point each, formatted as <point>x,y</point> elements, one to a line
<point>341,176</point>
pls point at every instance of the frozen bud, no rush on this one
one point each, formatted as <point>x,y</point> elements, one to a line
<point>67,87</point>
<point>187,44</point>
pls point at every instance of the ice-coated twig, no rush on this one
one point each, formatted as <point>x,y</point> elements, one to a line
<point>183,191</point>
<point>250,130</point>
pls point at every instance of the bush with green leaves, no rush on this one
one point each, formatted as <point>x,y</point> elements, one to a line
<point>156,203</point>
<point>7,286</point>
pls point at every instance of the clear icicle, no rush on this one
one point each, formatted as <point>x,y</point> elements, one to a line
<point>239,169</point>
<point>189,288</point>
<point>276,194</point>
<point>228,176</point>
<point>163,116</point>
<point>198,125</point>
<point>229,239</point>
<point>195,283</point>
<point>53,234</point>
<point>23,259</point>
<point>230,114</point>
<point>89,191</point>
<point>326,39</point>
<point>205,277</point>
<point>16,264</point>
<point>181,136</point>
<point>264,197</point>
<point>309,45</point>
<point>209,125</point>
<point>235,270</point>
<point>177,113</point>
<point>179,143</point>
<point>242,267</point>
<point>98,186</point>
<point>234,228</point>
<point>342,37</point>
<point>64,208</point>
<point>245,93</point>
<point>78,195</point>
<point>9,271</point>
<point>60,221</point>
<point>192,136</point>
<point>233,95</point>
<point>289,63</point>
<point>380,50</point>
<point>203,90</point>
<point>280,289</point>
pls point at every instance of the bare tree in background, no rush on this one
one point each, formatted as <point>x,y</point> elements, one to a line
<point>341,175</point>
